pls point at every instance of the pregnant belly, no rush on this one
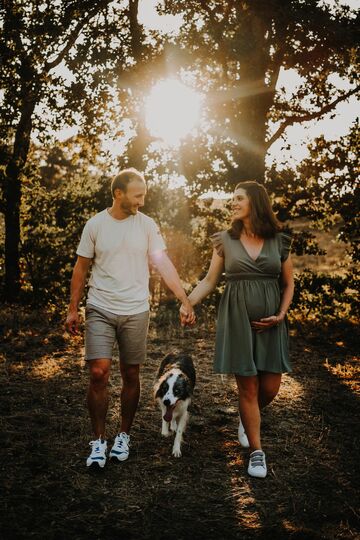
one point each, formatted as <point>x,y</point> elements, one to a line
<point>262,301</point>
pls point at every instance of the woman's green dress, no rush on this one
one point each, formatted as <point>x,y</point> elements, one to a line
<point>252,291</point>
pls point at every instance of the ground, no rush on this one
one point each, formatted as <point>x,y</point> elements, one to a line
<point>310,435</point>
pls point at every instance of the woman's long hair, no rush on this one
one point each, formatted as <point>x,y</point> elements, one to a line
<point>262,218</point>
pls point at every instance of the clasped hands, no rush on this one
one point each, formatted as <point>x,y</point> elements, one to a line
<point>187,314</point>
<point>267,322</point>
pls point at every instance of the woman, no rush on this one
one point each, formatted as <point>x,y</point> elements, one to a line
<point>251,336</point>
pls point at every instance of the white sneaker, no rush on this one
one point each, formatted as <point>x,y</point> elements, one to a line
<point>257,464</point>
<point>243,440</point>
<point>120,450</point>
<point>98,453</point>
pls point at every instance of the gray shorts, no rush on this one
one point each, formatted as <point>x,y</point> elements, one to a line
<point>103,328</point>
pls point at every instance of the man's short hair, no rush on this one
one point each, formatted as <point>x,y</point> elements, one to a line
<point>124,177</point>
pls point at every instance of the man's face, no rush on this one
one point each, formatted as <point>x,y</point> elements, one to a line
<point>134,198</point>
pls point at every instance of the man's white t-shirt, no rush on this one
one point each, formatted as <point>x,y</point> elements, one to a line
<point>120,250</point>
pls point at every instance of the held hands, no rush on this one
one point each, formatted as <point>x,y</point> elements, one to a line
<point>268,322</point>
<point>187,314</point>
<point>72,322</point>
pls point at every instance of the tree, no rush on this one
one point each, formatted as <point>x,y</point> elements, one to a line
<point>335,167</point>
<point>58,63</point>
<point>237,50</point>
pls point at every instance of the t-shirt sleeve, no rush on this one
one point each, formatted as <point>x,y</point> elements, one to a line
<point>217,242</point>
<point>285,246</point>
<point>156,241</point>
<point>86,247</point>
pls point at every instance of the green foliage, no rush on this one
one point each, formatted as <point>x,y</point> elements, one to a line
<point>236,51</point>
<point>335,167</point>
<point>58,198</point>
<point>326,298</point>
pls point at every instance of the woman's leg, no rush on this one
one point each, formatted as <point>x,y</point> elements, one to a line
<point>269,384</point>
<point>248,388</point>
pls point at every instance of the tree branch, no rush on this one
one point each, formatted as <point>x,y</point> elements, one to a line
<point>307,117</point>
<point>277,63</point>
<point>135,29</point>
<point>75,34</point>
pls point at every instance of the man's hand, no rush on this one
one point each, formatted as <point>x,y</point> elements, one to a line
<point>187,314</point>
<point>72,322</point>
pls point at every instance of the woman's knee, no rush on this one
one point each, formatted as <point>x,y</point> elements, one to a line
<point>248,387</point>
<point>269,387</point>
<point>268,394</point>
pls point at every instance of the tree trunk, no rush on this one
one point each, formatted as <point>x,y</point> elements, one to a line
<point>251,130</point>
<point>250,122</point>
<point>13,201</point>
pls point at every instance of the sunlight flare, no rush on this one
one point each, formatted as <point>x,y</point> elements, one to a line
<point>172,110</point>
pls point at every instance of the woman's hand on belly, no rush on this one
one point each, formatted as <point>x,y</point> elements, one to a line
<point>266,323</point>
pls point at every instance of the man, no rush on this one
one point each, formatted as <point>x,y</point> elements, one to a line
<point>119,242</point>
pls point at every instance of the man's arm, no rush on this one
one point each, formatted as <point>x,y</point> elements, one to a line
<point>169,274</point>
<point>78,279</point>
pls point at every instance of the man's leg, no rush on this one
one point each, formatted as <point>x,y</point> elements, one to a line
<point>131,334</point>
<point>130,394</point>
<point>97,395</point>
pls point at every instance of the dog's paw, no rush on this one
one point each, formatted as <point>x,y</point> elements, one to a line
<point>176,452</point>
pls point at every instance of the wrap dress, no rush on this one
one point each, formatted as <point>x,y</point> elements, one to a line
<point>252,291</point>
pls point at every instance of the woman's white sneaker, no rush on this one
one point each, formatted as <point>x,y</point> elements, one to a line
<point>243,440</point>
<point>120,450</point>
<point>257,464</point>
<point>98,453</point>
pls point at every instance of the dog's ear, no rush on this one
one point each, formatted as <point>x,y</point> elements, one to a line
<point>168,359</point>
<point>188,386</point>
<point>182,387</point>
<point>161,389</point>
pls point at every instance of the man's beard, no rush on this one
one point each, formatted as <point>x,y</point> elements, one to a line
<point>129,209</point>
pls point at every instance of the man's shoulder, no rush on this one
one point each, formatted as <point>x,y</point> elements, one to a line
<point>145,220</point>
<point>97,218</point>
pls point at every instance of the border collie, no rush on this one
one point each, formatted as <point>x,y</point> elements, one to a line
<point>173,390</point>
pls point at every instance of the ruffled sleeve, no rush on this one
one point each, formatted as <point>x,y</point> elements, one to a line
<point>285,245</point>
<point>217,243</point>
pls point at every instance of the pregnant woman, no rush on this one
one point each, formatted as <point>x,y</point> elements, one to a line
<point>252,334</point>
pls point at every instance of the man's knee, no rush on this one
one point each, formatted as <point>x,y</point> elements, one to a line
<point>130,374</point>
<point>99,374</point>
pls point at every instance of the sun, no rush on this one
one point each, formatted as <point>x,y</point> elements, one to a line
<point>172,110</point>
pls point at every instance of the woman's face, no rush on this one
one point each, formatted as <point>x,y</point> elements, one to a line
<point>240,204</point>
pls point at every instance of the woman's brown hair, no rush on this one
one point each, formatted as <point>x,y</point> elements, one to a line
<point>262,218</point>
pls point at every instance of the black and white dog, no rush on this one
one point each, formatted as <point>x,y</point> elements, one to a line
<point>173,390</point>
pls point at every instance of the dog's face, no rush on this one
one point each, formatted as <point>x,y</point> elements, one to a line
<point>174,387</point>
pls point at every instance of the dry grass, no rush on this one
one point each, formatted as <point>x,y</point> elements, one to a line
<point>310,434</point>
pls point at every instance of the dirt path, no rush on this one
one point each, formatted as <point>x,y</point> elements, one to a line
<point>310,434</point>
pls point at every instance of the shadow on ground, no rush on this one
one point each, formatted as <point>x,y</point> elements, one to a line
<point>310,435</point>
